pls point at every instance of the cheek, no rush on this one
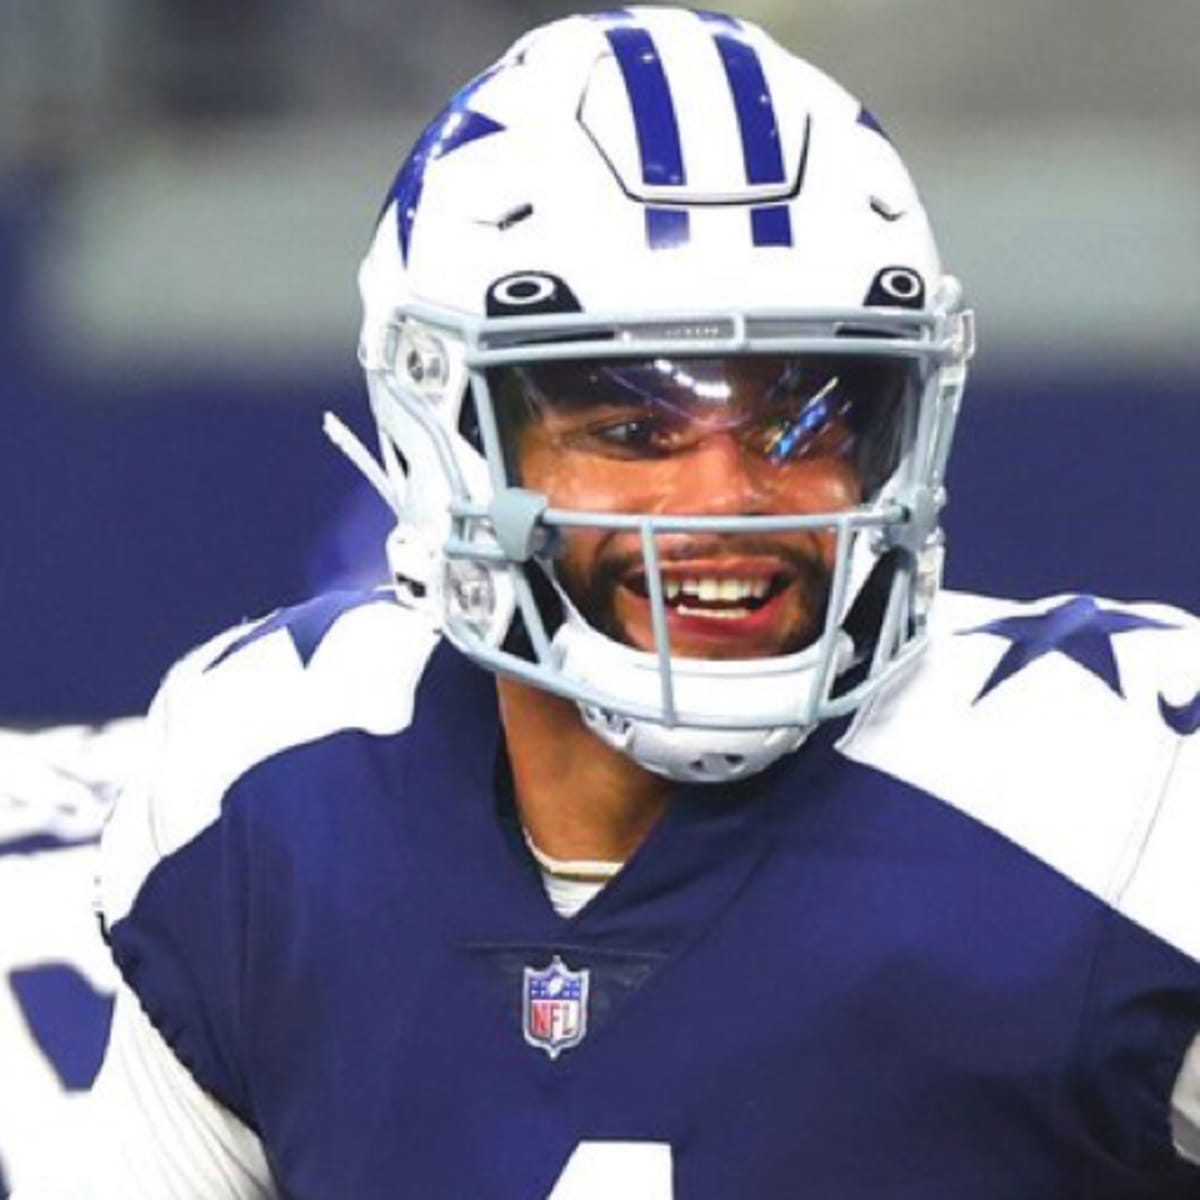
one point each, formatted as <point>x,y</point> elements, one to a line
<point>571,481</point>
<point>824,485</point>
<point>580,481</point>
<point>576,555</point>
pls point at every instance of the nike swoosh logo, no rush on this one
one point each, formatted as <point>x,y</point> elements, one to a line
<point>1184,719</point>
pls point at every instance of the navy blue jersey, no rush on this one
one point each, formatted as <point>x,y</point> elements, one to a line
<point>916,958</point>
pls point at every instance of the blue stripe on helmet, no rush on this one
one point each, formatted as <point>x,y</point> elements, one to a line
<point>752,98</point>
<point>654,120</point>
<point>771,225</point>
<point>666,227</point>
<point>454,127</point>
<point>653,109</point>
<point>761,148</point>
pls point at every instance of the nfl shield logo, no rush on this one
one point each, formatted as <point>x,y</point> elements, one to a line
<point>554,1004</point>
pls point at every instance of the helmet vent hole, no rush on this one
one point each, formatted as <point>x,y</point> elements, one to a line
<point>718,766</point>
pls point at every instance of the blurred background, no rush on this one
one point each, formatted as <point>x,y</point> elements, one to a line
<point>186,188</point>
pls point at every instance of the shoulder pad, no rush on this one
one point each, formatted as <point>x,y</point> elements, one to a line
<point>342,661</point>
<point>1065,724</point>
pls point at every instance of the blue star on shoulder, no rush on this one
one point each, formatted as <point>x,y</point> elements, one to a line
<point>1078,628</point>
<point>307,624</point>
<point>1184,719</point>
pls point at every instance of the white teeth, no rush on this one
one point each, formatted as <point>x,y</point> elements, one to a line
<point>719,614</point>
<point>710,589</point>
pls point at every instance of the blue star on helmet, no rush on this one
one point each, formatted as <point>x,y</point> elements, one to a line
<point>306,624</point>
<point>454,127</point>
<point>1184,719</point>
<point>1079,629</point>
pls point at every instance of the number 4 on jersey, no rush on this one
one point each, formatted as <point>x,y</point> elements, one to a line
<point>616,1171</point>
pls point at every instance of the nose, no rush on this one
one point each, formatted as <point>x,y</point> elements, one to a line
<point>720,477</point>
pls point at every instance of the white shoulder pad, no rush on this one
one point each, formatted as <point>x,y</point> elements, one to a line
<point>246,695</point>
<point>1064,725</point>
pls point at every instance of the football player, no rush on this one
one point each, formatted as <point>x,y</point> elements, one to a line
<point>56,977</point>
<point>656,834</point>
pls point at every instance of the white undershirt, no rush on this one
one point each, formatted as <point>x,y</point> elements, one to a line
<point>569,895</point>
<point>571,882</point>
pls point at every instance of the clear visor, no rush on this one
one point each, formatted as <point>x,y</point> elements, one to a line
<point>734,438</point>
<point>603,435</point>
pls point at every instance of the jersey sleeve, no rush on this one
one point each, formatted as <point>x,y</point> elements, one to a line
<point>1175,851</point>
<point>1155,884</point>
<point>184,860</point>
<point>1185,1106</point>
<point>1087,758</point>
<point>159,1119</point>
<point>155,1134</point>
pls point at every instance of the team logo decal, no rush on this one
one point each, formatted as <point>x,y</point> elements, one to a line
<point>896,287</point>
<point>1184,719</point>
<point>530,294</point>
<point>554,1005</point>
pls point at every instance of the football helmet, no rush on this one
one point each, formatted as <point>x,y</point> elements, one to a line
<point>665,370</point>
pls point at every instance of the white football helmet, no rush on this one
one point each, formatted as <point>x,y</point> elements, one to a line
<point>626,210</point>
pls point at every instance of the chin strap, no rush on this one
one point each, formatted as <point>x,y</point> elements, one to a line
<point>411,560</point>
<point>349,443</point>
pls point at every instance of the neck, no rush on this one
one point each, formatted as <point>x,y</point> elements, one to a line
<point>578,798</point>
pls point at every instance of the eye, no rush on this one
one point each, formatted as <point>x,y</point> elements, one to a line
<point>640,436</point>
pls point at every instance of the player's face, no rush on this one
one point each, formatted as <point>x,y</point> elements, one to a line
<point>765,436</point>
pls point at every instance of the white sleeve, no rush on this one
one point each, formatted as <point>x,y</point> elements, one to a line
<point>154,1134</point>
<point>1162,895</point>
<point>1185,1106</point>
